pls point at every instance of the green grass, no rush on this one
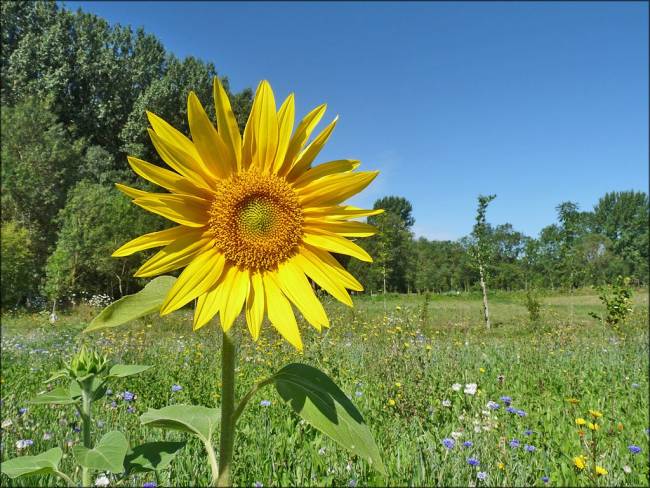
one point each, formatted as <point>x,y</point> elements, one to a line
<point>369,349</point>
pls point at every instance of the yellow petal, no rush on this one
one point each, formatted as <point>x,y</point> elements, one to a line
<point>286,116</point>
<point>172,136</point>
<point>300,136</point>
<point>337,212</point>
<point>227,123</point>
<point>214,152</point>
<point>337,244</point>
<point>196,279</point>
<point>326,261</point>
<point>295,286</point>
<point>180,161</point>
<point>206,308</point>
<point>255,305</point>
<point>319,273</point>
<point>234,293</point>
<point>265,128</point>
<point>177,254</point>
<point>280,312</point>
<point>153,239</point>
<point>183,209</point>
<point>131,192</point>
<point>348,229</point>
<point>306,157</point>
<point>334,189</point>
<point>165,178</point>
<point>325,169</point>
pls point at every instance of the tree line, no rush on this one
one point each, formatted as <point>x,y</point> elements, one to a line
<point>74,92</point>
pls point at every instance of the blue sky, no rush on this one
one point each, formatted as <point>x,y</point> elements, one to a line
<point>537,102</point>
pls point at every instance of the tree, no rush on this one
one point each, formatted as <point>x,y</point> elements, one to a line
<point>19,274</point>
<point>481,249</point>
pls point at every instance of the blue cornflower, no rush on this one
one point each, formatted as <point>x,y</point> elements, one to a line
<point>352,483</point>
<point>176,388</point>
<point>448,443</point>
<point>521,413</point>
<point>358,393</point>
<point>545,479</point>
<point>468,443</point>
<point>265,403</point>
<point>634,449</point>
<point>258,484</point>
<point>128,396</point>
<point>22,411</point>
<point>529,448</point>
<point>528,432</point>
<point>76,428</point>
<point>473,462</point>
<point>150,484</point>
<point>514,443</point>
<point>511,410</point>
<point>113,404</point>
<point>130,409</point>
<point>493,405</point>
<point>507,400</point>
<point>481,475</point>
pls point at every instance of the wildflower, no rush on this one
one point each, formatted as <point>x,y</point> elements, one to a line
<point>398,384</point>
<point>456,386</point>
<point>352,483</point>
<point>254,214</point>
<point>501,466</point>
<point>128,396</point>
<point>528,432</point>
<point>580,462</point>
<point>481,475</point>
<point>634,449</point>
<point>500,379</point>
<point>322,451</point>
<point>22,411</point>
<point>265,403</point>
<point>514,443</point>
<point>529,448</point>
<point>600,471</point>
<point>506,400</point>
<point>593,426</point>
<point>109,392</point>
<point>511,410</point>
<point>391,402</point>
<point>545,479</point>
<point>258,484</point>
<point>6,423</point>
<point>470,389</point>
<point>635,385</point>
<point>446,403</point>
<point>113,404</point>
<point>102,481</point>
<point>627,469</point>
<point>47,436</point>
<point>493,405</point>
<point>130,409</point>
<point>448,443</point>
<point>456,435</point>
<point>595,414</point>
<point>100,424</point>
<point>23,444</point>
<point>468,443</point>
<point>481,370</point>
<point>150,484</point>
<point>581,421</point>
<point>473,462</point>
<point>176,388</point>
<point>573,401</point>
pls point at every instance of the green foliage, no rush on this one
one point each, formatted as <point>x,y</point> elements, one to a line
<point>533,306</point>
<point>107,455</point>
<point>44,463</point>
<point>192,419</point>
<point>19,269</point>
<point>95,221</point>
<point>151,456</point>
<point>617,301</point>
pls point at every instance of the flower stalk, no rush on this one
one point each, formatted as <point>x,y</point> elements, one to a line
<point>227,437</point>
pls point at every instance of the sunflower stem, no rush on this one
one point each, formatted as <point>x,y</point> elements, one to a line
<point>226,440</point>
<point>86,412</point>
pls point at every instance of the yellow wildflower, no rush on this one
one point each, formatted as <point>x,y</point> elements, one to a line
<point>594,426</point>
<point>482,370</point>
<point>573,401</point>
<point>391,402</point>
<point>600,471</point>
<point>501,466</point>
<point>580,421</point>
<point>580,462</point>
<point>595,414</point>
<point>398,384</point>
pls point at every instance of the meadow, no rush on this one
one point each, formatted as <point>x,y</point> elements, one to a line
<point>408,362</point>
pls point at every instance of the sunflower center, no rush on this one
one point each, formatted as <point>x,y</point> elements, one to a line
<point>256,220</point>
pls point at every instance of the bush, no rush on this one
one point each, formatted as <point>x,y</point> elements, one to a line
<point>19,275</point>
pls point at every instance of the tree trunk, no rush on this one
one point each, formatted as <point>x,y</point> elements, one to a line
<point>486,312</point>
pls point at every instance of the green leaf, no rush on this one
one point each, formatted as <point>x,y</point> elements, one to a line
<point>197,420</point>
<point>44,463</point>
<point>152,456</point>
<point>146,301</point>
<point>122,370</point>
<point>60,396</point>
<point>107,455</point>
<point>56,375</point>
<point>317,399</point>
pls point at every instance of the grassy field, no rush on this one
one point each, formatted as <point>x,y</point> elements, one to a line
<point>397,359</point>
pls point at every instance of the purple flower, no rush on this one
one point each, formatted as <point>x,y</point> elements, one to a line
<point>150,484</point>
<point>634,449</point>
<point>131,409</point>
<point>481,475</point>
<point>528,432</point>
<point>76,428</point>
<point>128,396</point>
<point>493,405</point>
<point>545,479</point>
<point>511,410</point>
<point>258,484</point>
<point>265,403</point>
<point>22,411</point>
<point>529,448</point>
<point>468,443</point>
<point>448,443</point>
<point>507,400</point>
<point>473,462</point>
<point>521,413</point>
<point>113,404</point>
<point>514,443</point>
<point>176,388</point>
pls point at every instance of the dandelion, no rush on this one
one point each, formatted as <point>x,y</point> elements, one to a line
<point>514,443</point>
<point>593,426</point>
<point>391,402</point>
<point>446,403</point>
<point>398,384</point>
<point>600,471</point>
<point>580,462</point>
<point>176,388</point>
<point>256,219</point>
<point>23,444</point>
<point>456,386</point>
<point>595,414</point>
<point>501,466</point>
<point>470,389</point>
<point>634,449</point>
<point>529,448</point>
<point>581,421</point>
<point>265,403</point>
<point>481,370</point>
<point>473,462</point>
<point>102,481</point>
<point>506,400</point>
<point>448,443</point>
<point>573,401</point>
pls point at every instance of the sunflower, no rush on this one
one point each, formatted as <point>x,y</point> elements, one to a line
<point>255,219</point>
